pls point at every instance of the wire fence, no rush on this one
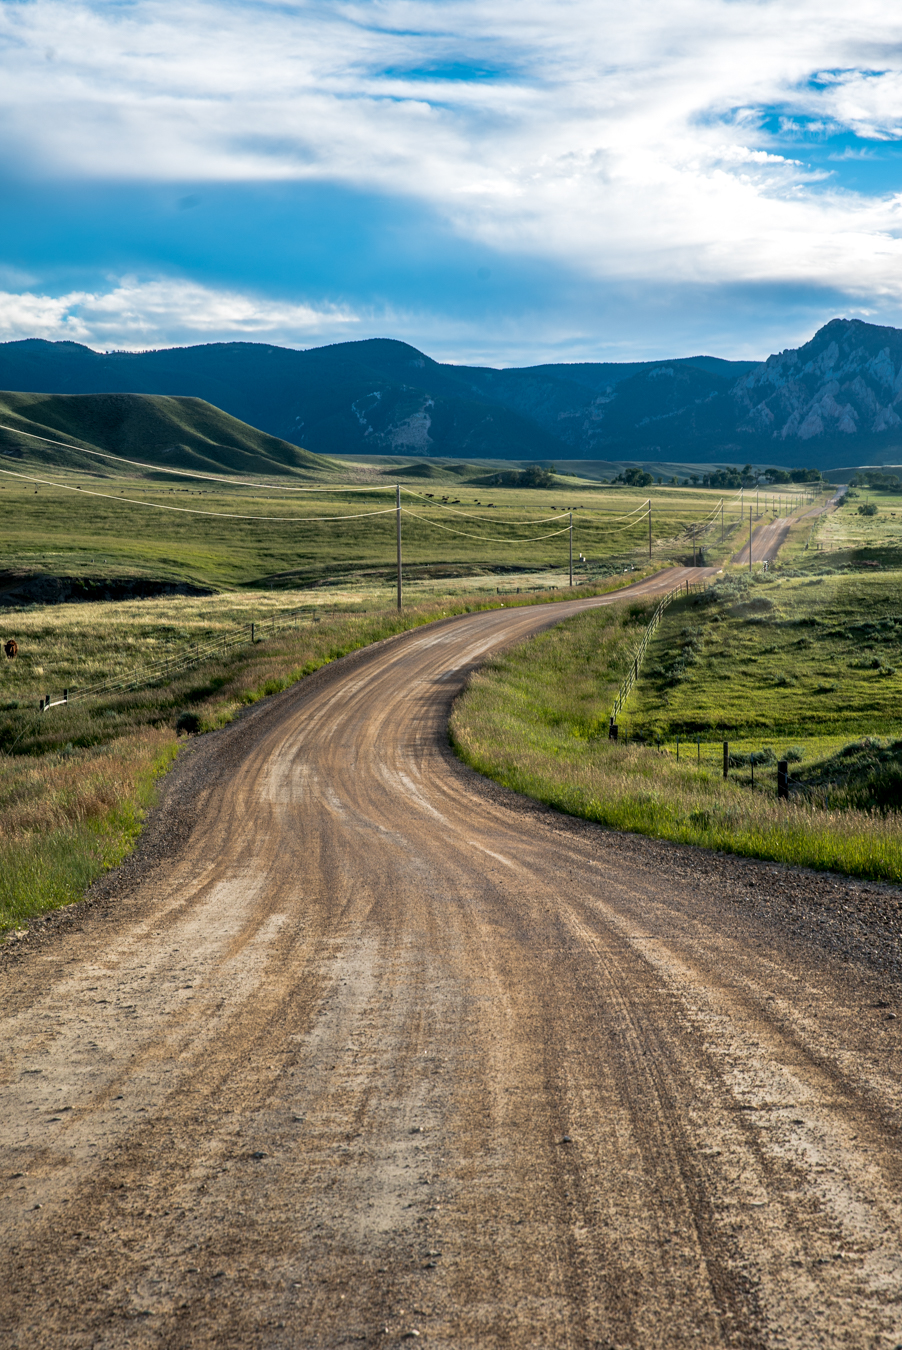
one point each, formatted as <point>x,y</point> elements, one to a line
<point>761,770</point>
<point>196,653</point>
<point>684,588</point>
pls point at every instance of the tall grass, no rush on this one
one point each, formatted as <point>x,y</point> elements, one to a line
<point>536,721</point>
<point>66,819</point>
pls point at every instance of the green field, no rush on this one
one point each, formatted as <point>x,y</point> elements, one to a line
<point>803,662</point>
<point>141,528</point>
<point>850,539</point>
<point>775,657</point>
<point>536,720</point>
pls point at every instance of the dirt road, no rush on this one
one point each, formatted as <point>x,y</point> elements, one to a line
<point>769,537</point>
<point>365,1049</point>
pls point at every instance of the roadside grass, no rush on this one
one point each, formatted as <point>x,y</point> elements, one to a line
<point>536,720</point>
<point>65,819</point>
<point>847,539</point>
<point>76,781</point>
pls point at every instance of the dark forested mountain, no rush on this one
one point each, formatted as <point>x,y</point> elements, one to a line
<point>834,401</point>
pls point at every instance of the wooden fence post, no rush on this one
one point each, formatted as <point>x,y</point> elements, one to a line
<point>783,779</point>
<point>726,759</point>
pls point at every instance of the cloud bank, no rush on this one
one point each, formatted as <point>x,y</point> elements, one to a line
<point>692,142</point>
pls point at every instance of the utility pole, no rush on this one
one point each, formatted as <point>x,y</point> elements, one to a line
<point>750,538</point>
<point>721,520</point>
<point>398,518</point>
<point>571,548</point>
<point>649,527</point>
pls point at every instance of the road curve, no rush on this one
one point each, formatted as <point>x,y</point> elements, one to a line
<point>377,1049</point>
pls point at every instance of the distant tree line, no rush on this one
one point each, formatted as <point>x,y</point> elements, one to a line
<point>876,479</point>
<point>725,479</point>
<point>747,477</point>
<point>533,476</point>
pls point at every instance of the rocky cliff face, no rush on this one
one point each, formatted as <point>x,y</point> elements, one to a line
<point>847,381</point>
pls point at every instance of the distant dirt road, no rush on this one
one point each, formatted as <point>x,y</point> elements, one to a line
<point>362,1046</point>
<point>769,537</point>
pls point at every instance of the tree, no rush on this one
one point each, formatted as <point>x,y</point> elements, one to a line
<point>635,478</point>
<point>535,476</point>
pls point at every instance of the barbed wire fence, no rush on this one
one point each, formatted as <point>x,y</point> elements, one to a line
<point>244,634</point>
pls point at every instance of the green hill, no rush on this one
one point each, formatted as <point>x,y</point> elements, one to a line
<point>169,432</point>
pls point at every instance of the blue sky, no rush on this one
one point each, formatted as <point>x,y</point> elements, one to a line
<point>495,183</point>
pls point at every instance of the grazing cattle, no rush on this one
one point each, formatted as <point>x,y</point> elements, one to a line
<point>11,646</point>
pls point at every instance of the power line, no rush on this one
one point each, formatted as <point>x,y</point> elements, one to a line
<point>471,515</point>
<point>188,473</point>
<point>189,510</point>
<point>483,538</point>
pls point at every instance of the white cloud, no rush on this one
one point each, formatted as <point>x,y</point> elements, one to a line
<point>136,314</point>
<point>626,140</point>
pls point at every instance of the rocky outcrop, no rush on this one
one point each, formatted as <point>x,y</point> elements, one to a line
<point>845,382</point>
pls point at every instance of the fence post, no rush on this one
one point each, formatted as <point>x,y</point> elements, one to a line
<point>783,779</point>
<point>612,731</point>
<point>726,759</point>
<point>65,695</point>
<point>253,638</point>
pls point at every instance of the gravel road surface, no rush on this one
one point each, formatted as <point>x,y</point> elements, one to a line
<point>769,537</point>
<point>360,1048</point>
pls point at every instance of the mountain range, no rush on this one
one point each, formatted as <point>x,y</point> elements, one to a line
<point>835,401</point>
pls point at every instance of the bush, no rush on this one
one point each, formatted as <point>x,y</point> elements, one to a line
<point>187,724</point>
<point>868,509</point>
<point>794,754</point>
<point>740,760</point>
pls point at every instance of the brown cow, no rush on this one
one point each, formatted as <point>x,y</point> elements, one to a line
<point>11,646</point>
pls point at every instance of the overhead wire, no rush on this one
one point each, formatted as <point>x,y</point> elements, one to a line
<point>471,515</point>
<point>188,510</point>
<point>483,538</point>
<point>191,473</point>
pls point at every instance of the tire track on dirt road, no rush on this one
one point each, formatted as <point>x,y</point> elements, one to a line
<point>379,1048</point>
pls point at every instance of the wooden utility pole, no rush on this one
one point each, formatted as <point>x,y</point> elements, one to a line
<point>721,520</point>
<point>649,527</point>
<point>750,538</point>
<point>398,518</point>
<point>571,548</point>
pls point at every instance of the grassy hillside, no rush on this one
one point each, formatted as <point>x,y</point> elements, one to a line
<point>535,719</point>
<point>791,658</point>
<point>184,433</point>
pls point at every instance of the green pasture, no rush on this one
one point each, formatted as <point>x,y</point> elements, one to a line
<point>775,657</point>
<point>132,530</point>
<point>851,540</point>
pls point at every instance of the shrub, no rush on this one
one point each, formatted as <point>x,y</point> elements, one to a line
<point>187,724</point>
